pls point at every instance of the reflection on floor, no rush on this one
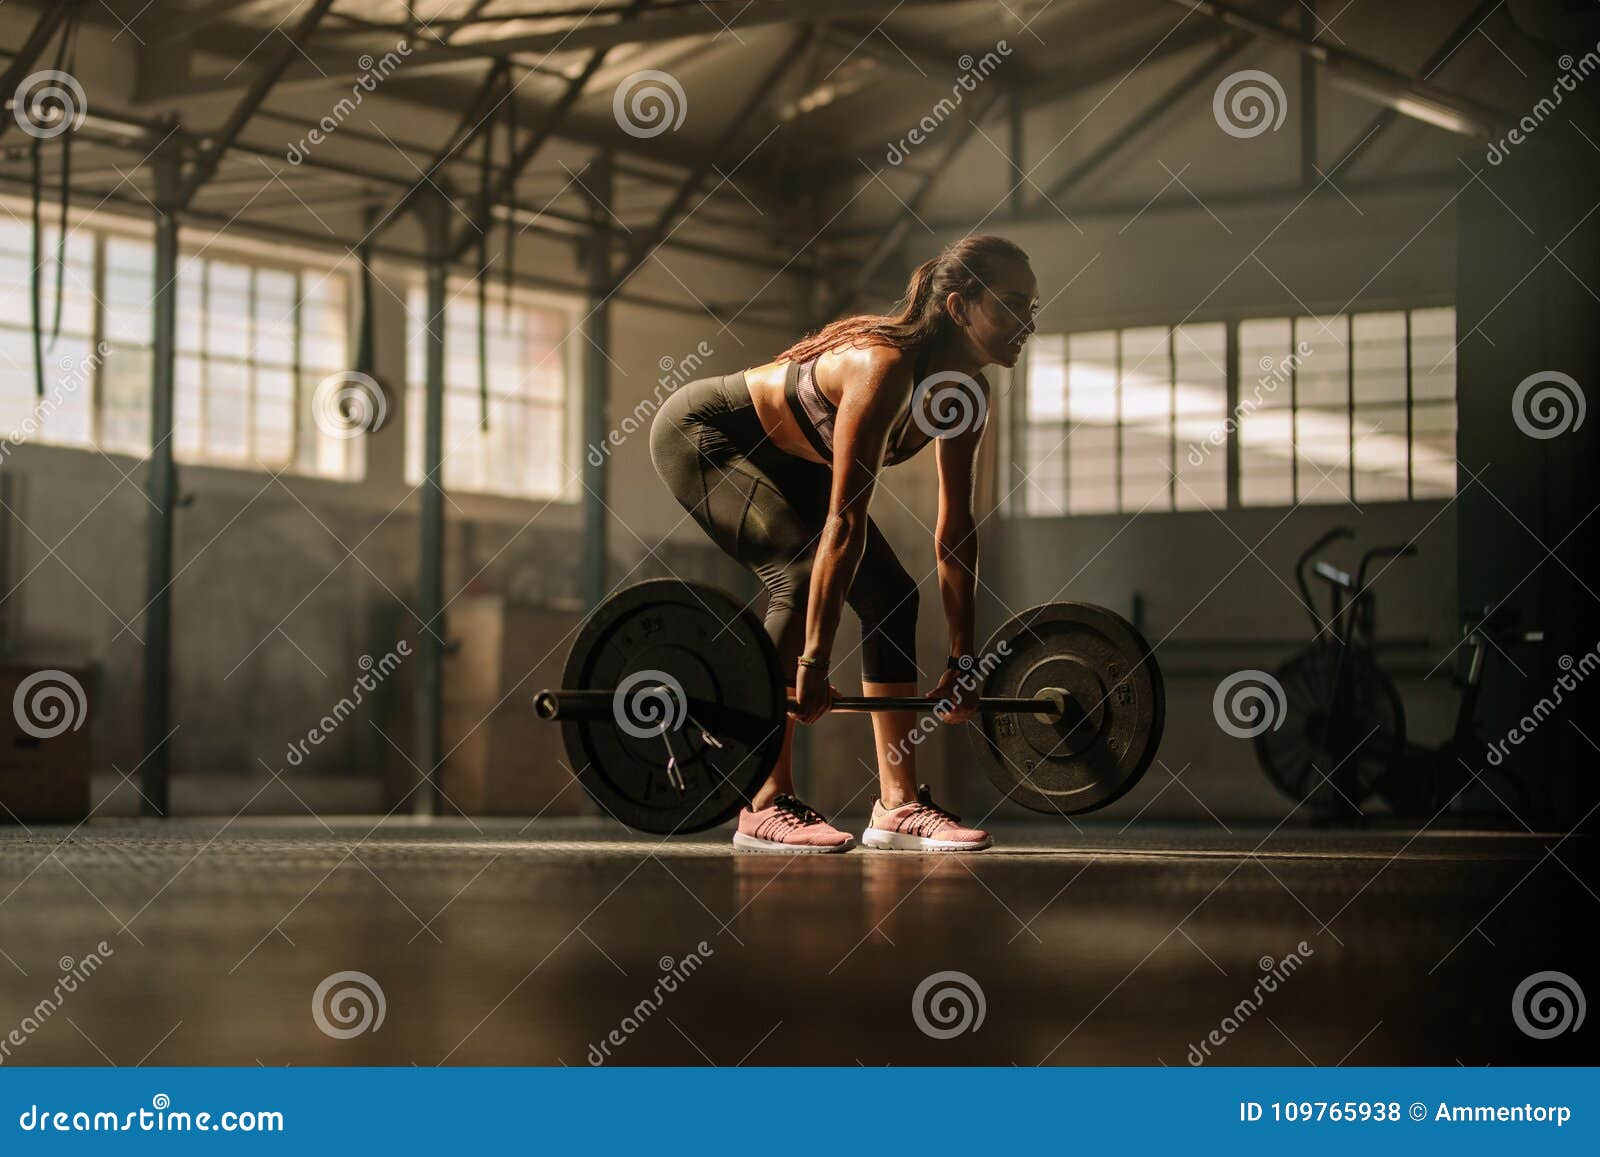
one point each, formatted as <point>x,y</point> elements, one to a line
<point>575,942</point>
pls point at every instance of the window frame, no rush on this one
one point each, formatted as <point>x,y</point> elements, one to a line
<point>104,228</point>
<point>1017,426</point>
<point>571,308</point>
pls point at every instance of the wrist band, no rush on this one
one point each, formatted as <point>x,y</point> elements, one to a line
<point>960,663</point>
<point>808,661</point>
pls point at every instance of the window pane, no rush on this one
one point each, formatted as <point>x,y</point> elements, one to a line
<point>186,423</point>
<point>324,321</point>
<point>130,285</point>
<point>273,423</point>
<point>191,299</point>
<point>1380,450</point>
<point>1380,358</point>
<point>125,399</point>
<point>1266,458</point>
<point>1433,356</point>
<point>1201,405</point>
<point>1145,406</point>
<point>1044,490</point>
<point>1433,450</point>
<point>227,408</point>
<point>1265,345</point>
<point>1092,470</point>
<point>1047,379</point>
<point>523,452</point>
<point>274,318</point>
<point>228,310</point>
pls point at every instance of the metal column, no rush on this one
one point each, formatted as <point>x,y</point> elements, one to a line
<point>433,210</point>
<point>592,571</point>
<point>161,486</point>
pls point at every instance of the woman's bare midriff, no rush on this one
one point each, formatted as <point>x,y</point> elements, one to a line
<point>772,407</point>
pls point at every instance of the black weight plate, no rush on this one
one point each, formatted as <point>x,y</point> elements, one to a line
<point>1090,757</point>
<point>721,674</point>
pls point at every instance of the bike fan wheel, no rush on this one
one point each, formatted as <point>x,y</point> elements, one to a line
<point>1333,745</point>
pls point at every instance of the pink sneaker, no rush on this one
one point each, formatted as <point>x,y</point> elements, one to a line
<point>922,826</point>
<point>788,826</point>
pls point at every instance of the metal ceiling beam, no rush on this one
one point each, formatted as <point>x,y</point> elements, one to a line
<point>337,66</point>
<point>170,26</point>
<point>895,236</point>
<point>473,121</point>
<point>629,169</point>
<point>43,31</point>
<point>91,199</point>
<point>1062,84</point>
<point>544,129</point>
<point>1174,95</point>
<point>210,155</point>
<point>1266,196</point>
<point>1362,75</point>
<point>1380,123</point>
<point>639,251</point>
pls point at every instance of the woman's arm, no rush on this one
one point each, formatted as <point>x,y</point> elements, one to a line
<point>956,547</point>
<point>860,433</point>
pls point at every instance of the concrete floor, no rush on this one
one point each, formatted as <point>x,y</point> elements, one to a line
<point>495,945</point>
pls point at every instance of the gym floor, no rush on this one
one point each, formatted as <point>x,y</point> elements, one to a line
<point>509,943</point>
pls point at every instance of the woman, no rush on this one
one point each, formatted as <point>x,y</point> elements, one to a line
<point>778,465</point>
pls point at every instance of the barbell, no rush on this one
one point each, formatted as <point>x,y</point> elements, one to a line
<point>673,706</point>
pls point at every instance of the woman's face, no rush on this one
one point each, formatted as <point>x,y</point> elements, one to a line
<point>1000,319</point>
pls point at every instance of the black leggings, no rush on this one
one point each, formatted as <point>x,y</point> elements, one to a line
<point>767,508</point>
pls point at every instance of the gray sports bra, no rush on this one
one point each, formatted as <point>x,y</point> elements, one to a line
<point>815,414</point>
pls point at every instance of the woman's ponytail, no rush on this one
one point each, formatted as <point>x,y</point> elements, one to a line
<point>962,267</point>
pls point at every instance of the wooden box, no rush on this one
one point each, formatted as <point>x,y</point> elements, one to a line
<point>45,749</point>
<point>502,759</point>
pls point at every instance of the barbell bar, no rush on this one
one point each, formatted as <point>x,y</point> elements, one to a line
<point>673,707</point>
<point>569,703</point>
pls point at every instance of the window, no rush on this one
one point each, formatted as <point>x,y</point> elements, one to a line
<point>1347,407</point>
<point>1326,409</point>
<point>254,339</point>
<point>526,448</point>
<point>1109,416</point>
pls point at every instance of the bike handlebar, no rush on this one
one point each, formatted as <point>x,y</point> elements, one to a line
<point>1406,551</point>
<point>1334,535</point>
